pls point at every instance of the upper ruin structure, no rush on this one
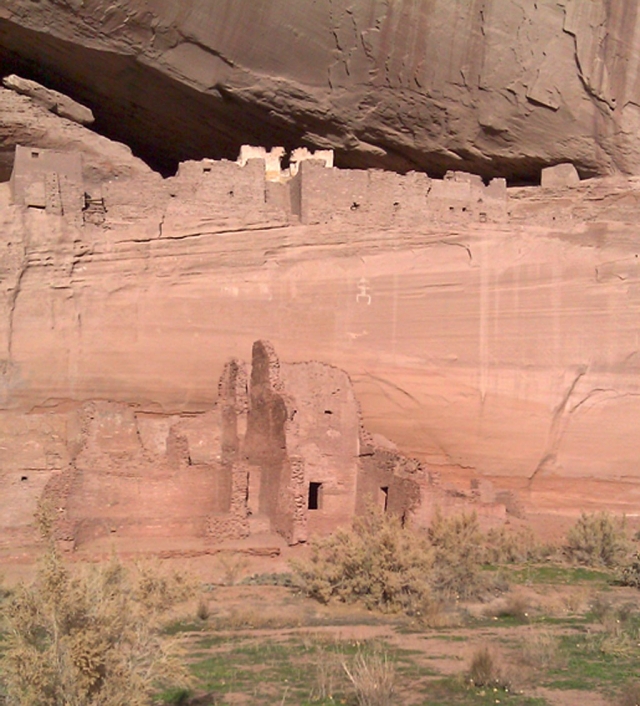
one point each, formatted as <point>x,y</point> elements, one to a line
<point>257,190</point>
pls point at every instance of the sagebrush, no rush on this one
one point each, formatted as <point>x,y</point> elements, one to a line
<point>459,552</point>
<point>629,574</point>
<point>391,567</point>
<point>379,563</point>
<point>598,539</point>
<point>90,639</point>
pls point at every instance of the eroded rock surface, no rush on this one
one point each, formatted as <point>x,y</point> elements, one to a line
<point>25,121</point>
<point>54,101</point>
<point>492,87</point>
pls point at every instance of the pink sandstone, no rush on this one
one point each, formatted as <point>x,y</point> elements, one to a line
<point>487,331</point>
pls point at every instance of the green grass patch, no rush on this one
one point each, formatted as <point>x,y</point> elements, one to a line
<point>557,574</point>
<point>308,669</point>
<point>586,666</point>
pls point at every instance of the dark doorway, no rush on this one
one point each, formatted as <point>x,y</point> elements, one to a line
<point>384,497</point>
<point>315,496</point>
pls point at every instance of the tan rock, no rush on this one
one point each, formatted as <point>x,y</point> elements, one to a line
<point>437,86</point>
<point>559,176</point>
<point>26,122</point>
<point>54,101</point>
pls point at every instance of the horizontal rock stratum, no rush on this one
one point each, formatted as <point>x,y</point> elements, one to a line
<point>493,87</point>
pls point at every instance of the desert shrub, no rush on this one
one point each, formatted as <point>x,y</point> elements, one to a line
<point>514,605</point>
<point>597,540</point>
<point>394,568</point>
<point>90,639</point>
<point>458,545</point>
<point>600,607</point>
<point>288,580</point>
<point>485,669</point>
<point>620,633</point>
<point>202,610</point>
<point>629,575</point>
<point>512,546</point>
<point>373,677</point>
<point>378,562</point>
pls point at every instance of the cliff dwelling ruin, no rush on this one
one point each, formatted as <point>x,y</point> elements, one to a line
<point>126,294</point>
<point>283,448</point>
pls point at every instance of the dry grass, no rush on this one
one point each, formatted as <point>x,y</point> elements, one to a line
<point>327,679</point>
<point>540,649</point>
<point>373,678</point>
<point>232,566</point>
<point>486,670</point>
<point>630,694</point>
<point>575,600</point>
<point>239,618</point>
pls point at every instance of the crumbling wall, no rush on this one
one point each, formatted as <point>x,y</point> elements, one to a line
<point>33,452</point>
<point>461,196</point>
<point>390,481</point>
<point>231,520</point>
<point>265,447</point>
<point>138,203</point>
<point>396,199</point>
<point>322,434</point>
<point>48,179</point>
<point>332,194</point>
<point>383,198</point>
<point>215,194</point>
<point>253,192</point>
<point>140,476</point>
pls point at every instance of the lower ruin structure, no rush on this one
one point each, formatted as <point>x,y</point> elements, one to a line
<point>283,450</point>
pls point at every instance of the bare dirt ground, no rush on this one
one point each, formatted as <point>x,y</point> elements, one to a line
<point>266,630</point>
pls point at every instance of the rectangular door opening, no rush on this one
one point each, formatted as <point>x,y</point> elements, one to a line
<point>315,496</point>
<point>384,497</point>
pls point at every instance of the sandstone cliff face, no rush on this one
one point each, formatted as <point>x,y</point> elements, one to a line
<point>487,331</point>
<point>496,87</point>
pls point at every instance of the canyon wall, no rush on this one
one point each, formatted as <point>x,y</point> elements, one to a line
<point>495,87</point>
<point>491,333</point>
